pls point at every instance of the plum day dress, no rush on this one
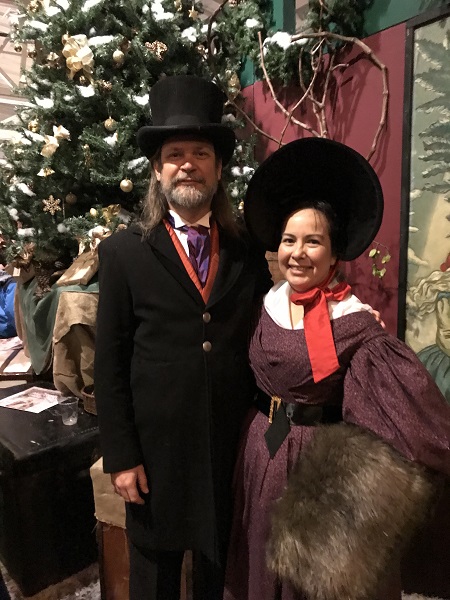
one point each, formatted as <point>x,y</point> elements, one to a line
<point>383,388</point>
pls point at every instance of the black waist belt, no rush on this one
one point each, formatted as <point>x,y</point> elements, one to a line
<point>282,415</point>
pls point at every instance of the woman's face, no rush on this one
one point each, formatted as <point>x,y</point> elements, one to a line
<point>304,254</point>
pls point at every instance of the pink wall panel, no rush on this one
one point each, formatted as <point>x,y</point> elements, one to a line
<point>353,117</point>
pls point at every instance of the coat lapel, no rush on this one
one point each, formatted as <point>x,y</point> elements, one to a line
<point>232,256</point>
<point>166,253</point>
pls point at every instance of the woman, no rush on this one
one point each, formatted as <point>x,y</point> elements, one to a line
<point>324,366</point>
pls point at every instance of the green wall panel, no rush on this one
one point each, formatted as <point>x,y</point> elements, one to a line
<point>284,15</point>
<point>387,13</point>
<point>381,15</point>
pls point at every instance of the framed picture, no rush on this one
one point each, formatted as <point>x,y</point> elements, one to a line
<point>424,287</point>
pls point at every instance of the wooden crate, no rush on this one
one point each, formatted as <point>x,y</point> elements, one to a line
<point>113,543</point>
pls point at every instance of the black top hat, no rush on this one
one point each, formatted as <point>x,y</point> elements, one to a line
<point>315,169</point>
<point>185,104</point>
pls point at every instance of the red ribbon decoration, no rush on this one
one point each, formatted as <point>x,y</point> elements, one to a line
<point>316,319</point>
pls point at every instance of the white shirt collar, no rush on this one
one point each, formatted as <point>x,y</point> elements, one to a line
<point>179,221</point>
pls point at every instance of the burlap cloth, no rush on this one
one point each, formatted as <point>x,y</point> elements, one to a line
<point>74,341</point>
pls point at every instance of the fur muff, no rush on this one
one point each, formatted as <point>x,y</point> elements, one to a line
<point>352,502</point>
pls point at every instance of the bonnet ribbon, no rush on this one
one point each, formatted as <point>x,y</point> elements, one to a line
<point>318,332</point>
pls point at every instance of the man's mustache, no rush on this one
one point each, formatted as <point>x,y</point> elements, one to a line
<point>189,178</point>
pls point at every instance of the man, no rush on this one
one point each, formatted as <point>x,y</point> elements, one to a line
<point>172,381</point>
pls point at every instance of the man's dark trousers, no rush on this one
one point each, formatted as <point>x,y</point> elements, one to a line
<point>157,576</point>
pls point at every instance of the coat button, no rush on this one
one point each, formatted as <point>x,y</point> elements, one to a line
<point>207,346</point>
<point>206,317</point>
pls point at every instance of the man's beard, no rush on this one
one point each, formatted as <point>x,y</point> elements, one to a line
<point>188,196</point>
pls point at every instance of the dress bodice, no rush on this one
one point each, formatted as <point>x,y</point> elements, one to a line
<point>281,365</point>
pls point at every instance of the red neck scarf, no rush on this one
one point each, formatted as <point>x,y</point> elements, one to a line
<point>316,319</point>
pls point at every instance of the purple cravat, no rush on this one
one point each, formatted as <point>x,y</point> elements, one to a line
<point>199,245</point>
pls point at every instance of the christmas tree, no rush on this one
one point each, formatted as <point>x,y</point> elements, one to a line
<point>74,165</point>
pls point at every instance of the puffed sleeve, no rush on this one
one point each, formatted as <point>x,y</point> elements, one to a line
<point>113,353</point>
<point>389,392</point>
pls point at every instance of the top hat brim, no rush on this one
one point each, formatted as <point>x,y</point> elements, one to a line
<point>315,169</point>
<point>150,138</point>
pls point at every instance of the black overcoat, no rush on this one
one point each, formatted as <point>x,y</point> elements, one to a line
<point>172,381</point>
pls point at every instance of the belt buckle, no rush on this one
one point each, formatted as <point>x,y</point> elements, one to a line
<point>275,400</point>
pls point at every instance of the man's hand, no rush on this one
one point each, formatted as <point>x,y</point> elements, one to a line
<point>128,483</point>
<point>378,318</point>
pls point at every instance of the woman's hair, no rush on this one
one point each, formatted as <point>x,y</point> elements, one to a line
<point>156,207</point>
<point>334,230</point>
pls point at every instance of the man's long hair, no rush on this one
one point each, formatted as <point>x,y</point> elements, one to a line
<point>156,208</point>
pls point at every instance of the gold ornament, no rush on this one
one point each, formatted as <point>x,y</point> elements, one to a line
<point>87,155</point>
<point>71,198</point>
<point>18,47</point>
<point>241,205</point>
<point>82,80</point>
<point>110,124</point>
<point>104,86</point>
<point>233,3</point>
<point>234,86</point>
<point>51,205</point>
<point>93,212</point>
<point>34,6</point>
<point>157,48</point>
<point>33,126</point>
<point>111,211</point>
<point>178,4</point>
<point>193,14</point>
<point>126,185</point>
<point>46,172</point>
<point>32,54</point>
<point>50,146</point>
<point>118,57</point>
<point>201,50</point>
<point>79,56</point>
